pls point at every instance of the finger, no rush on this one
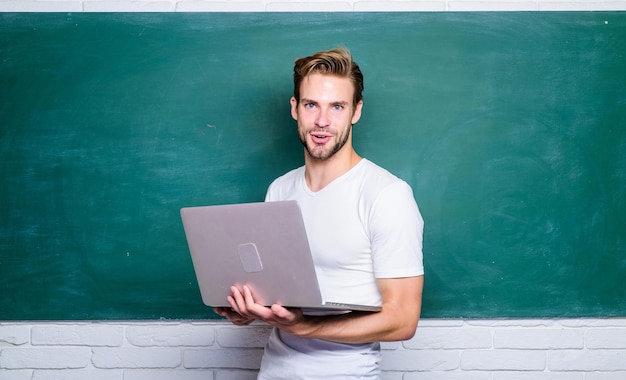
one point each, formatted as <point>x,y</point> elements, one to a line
<point>227,312</point>
<point>233,305</point>
<point>241,321</point>
<point>248,298</point>
<point>233,316</point>
<point>286,316</point>
<point>221,311</point>
<point>238,302</point>
<point>255,309</point>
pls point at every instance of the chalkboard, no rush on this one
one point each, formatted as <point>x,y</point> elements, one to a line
<point>510,127</point>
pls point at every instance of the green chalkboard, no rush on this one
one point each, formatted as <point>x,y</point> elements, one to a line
<point>510,127</point>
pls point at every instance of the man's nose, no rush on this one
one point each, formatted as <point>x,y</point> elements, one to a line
<point>322,119</point>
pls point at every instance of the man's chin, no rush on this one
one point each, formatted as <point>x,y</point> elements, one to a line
<point>318,154</point>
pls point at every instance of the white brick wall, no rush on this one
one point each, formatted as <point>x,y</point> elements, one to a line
<point>569,349</point>
<point>303,5</point>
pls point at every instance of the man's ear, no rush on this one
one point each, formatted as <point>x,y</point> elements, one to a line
<point>294,108</point>
<point>357,112</point>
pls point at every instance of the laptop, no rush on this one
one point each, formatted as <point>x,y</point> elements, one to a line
<point>262,245</point>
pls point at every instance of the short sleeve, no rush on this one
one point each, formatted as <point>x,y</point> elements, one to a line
<point>396,232</point>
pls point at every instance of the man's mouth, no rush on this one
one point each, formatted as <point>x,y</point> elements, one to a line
<point>320,138</point>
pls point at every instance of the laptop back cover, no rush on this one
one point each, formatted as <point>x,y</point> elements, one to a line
<point>263,245</point>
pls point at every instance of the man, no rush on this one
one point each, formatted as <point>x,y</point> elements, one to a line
<point>365,232</point>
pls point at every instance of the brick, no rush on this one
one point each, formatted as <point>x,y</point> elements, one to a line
<point>538,338</point>
<point>509,5</point>
<point>450,338</point>
<point>606,338</point>
<point>308,6</point>
<point>449,375</point>
<point>81,374</point>
<point>127,6</point>
<point>136,357</point>
<point>171,336</point>
<point>225,374</point>
<point>511,322</point>
<point>80,335</point>
<point>587,360</point>
<point>418,360</point>
<point>40,6</point>
<point>596,323</point>
<point>14,335</point>
<point>44,358</point>
<point>220,6</point>
<point>606,375</point>
<point>248,337</point>
<point>391,375</point>
<point>167,374</point>
<point>582,5</point>
<point>532,375</point>
<point>391,346</point>
<point>426,322</point>
<point>399,6</point>
<point>238,358</point>
<point>17,374</point>
<point>503,360</point>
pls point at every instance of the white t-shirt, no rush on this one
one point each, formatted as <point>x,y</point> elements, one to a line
<point>362,226</point>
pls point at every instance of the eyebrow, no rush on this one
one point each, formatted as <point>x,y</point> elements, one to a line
<point>336,102</point>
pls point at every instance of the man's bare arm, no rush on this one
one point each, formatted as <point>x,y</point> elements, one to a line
<point>402,300</point>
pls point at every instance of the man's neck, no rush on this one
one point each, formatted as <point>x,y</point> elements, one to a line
<point>318,174</point>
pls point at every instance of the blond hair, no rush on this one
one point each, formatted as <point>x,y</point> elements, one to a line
<point>336,62</point>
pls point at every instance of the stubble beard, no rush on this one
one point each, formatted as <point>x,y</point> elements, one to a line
<point>319,152</point>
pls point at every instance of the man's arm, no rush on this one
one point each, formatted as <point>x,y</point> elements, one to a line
<point>402,300</point>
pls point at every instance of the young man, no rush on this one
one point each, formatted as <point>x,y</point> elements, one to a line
<point>365,232</point>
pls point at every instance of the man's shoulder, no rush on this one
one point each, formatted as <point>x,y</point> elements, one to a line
<point>377,174</point>
<point>377,181</point>
<point>285,184</point>
<point>290,177</point>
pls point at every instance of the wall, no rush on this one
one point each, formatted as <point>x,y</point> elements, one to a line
<point>570,349</point>
<point>538,349</point>
<point>302,5</point>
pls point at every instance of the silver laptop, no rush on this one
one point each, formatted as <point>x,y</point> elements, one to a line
<point>262,245</point>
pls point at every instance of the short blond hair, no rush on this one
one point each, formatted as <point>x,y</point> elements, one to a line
<point>336,62</point>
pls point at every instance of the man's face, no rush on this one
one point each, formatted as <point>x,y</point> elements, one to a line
<point>325,114</point>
